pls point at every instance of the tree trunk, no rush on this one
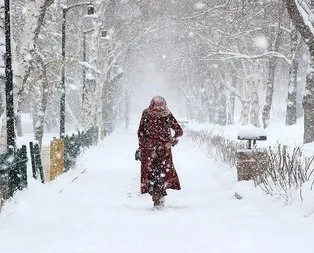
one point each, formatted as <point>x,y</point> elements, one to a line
<point>2,105</point>
<point>32,26</point>
<point>269,91</point>
<point>255,108</point>
<point>244,98</point>
<point>308,100</point>
<point>3,134</point>
<point>245,112</point>
<point>222,107</point>
<point>109,101</point>
<point>254,113</point>
<point>88,114</point>
<point>211,112</point>
<point>40,115</point>
<point>127,110</point>
<point>273,46</point>
<point>18,122</point>
<point>232,99</point>
<point>291,113</point>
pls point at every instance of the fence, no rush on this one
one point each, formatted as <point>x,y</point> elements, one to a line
<point>47,162</point>
<point>61,154</point>
<point>74,144</point>
<point>13,172</point>
<point>37,167</point>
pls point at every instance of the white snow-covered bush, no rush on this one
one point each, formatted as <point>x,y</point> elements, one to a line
<point>286,170</point>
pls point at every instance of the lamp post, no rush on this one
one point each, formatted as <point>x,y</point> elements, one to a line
<point>90,11</point>
<point>9,80</point>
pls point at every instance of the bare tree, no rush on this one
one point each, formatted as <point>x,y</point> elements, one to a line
<point>255,105</point>
<point>3,136</point>
<point>36,12</point>
<point>274,42</point>
<point>299,12</point>
<point>291,114</point>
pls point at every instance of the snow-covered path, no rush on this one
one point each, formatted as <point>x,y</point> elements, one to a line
<point>97,208</point>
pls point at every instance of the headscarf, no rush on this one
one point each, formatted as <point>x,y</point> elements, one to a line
<point>158,107</point>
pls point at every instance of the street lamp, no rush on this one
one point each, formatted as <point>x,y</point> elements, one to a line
<point>9,80</point>
<point>90,11</point>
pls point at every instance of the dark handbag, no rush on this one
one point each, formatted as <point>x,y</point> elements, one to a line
<point>138,155</point>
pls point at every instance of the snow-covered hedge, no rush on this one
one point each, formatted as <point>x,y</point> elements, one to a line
<point>286,172</point>
<point>219,147</point>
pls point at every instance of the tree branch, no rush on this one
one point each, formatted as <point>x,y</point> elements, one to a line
<point>203,13</point>
<point>301,20</point>
<point>236,56</point>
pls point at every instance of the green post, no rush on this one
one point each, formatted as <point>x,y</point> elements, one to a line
<point>31,150</point>
<point>38,163</point>
<point>23,166</point>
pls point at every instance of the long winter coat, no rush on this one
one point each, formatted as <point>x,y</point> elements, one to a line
<point>155,143</point>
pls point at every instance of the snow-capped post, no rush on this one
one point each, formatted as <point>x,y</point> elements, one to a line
<point>9,80</point>
<point>252,134</point>
<point>65,9</point>
<point>251,162</point>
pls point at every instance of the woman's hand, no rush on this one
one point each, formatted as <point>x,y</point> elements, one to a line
<point>174,142</point>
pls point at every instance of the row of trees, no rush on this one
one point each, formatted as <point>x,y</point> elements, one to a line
<point>244,46</point>
<point>220,55</point>
<point>224,52</point>
<point>37,59</point>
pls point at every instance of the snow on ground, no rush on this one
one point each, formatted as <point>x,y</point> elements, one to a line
<point>97,208</point>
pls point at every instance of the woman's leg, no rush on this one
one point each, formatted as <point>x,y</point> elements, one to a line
<point>158,178</point>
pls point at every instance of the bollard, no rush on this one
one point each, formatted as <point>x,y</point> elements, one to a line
<point>251,162</point>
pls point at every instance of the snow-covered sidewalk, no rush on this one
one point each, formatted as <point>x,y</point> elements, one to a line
<point>97,208</point>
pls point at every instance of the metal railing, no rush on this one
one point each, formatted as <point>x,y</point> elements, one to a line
<point>13,165</point>
<point>13,172</point>
<point>74,144</point>
<point>37,167</point>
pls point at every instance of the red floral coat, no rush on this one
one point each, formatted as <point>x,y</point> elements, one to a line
<point>154,135</point>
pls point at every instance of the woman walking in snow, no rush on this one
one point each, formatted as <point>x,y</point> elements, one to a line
<point>155,142</point>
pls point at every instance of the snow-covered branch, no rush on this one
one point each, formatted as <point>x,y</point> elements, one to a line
<point>203,13</point>
<point>67,8</point>
<point>90,67</point>
<point>131,43</point>
<point>259,29</point>
<point>236,56</point>
<point>116,76</point>
<point>209,41</point>
<point>34,20</point>
<point>301,19</point>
